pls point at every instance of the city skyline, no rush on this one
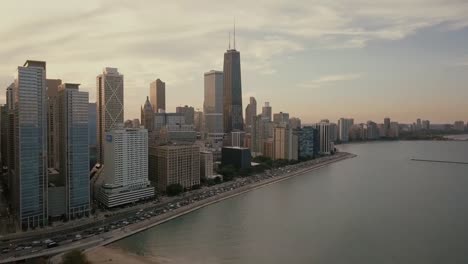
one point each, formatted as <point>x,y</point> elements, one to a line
<point>384,59</point>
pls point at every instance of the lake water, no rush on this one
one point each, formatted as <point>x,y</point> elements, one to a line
<point>379,207</point>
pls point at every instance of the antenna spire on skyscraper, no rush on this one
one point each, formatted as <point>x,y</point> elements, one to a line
<point>229,46</point>
<point>234,33</point>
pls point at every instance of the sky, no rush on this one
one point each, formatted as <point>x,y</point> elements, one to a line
<point>366,59</point>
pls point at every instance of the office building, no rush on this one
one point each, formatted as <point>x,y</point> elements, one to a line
<point>3,136</point>
<point>308,142</point>
<point>92,127</point>
<point>386,127</point>
<point>52,123</point>
<point>10,97</point>
<point>333,132</point>
<point>92,133</point>
<point>426,124</point>
<point>250,113</point>
<point>232,91</point>
<point>281,142</point>
<point>394,130</point>
<point>126,167</point>
<point>281,119</point>
<point>198,121</point>
<point>188,112</point>
<point>128,123</point>
<point>262,130</point>
<point>372,131</point>
<point>174,164</point>
<point>344,124</point>
<point>73,148</point>
<point>136,123</point>
<point>295,123</point>
<point>235,139</point>
<point>358,132</point>
<point>418,124</point>
<point>110,105</point>
<point>30,180</point>
<point>238,157</point>
<point>158,95</point>
<point>267,112</point>
<point>213,105</point>
<point>459,126</point>
<point>324,135</point>
<point>268,148</point>
<point>206,164</point>
<point>147,115</point>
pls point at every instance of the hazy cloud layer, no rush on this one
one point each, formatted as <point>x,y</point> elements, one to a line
<point>178,41</point>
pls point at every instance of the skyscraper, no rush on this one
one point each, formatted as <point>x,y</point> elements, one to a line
<point>147,115</point>
<point>189,113</point>
<point>126,167</point>
<point>158,95</point>
<point>387,126</point>
<point>110,105</point>
<point>92,119</point>
<point>250,113</point>
<point>174,164</point>
<point>10,96</point>
<point>344,124</point>
<point>266,112</point>
<point>324,136</point>
<point>92,131</point>
<point>281,142</point>
<point>73,148</point>
<point>232,114</point>
<point>53,123</point>
<point>30,185</point>
<point>309,144</point>
<point>212,126</point>
<point>295,123</point>
<point>281,119</point>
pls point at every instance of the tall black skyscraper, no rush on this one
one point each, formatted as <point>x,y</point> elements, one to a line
<point>232,113</point>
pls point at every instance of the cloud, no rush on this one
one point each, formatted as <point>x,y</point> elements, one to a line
<point>328,79</point>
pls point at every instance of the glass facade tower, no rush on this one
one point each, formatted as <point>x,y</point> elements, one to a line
<point>30,182</point>
<point>74,153</point>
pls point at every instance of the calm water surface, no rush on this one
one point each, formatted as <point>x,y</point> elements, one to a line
<point>379,207</point>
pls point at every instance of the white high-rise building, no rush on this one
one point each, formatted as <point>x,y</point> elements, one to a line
<point>126,167</point>
<point>110,105</point>
<point>30,144</point>
<point>344,124</point>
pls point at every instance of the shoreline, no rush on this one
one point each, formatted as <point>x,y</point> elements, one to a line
<point>216,199</point>
<point>105,239</point>
<point>116,252</point>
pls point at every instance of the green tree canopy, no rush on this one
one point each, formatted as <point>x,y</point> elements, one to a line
<point>174,189</point>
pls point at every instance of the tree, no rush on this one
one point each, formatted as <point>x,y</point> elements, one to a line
<point>228,172</point>
<point>244,172</point>
<point>75,257</point>
<point>174,189</point>
<point>217,180</point>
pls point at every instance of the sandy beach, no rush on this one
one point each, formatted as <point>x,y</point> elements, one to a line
<point>115,255</point>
